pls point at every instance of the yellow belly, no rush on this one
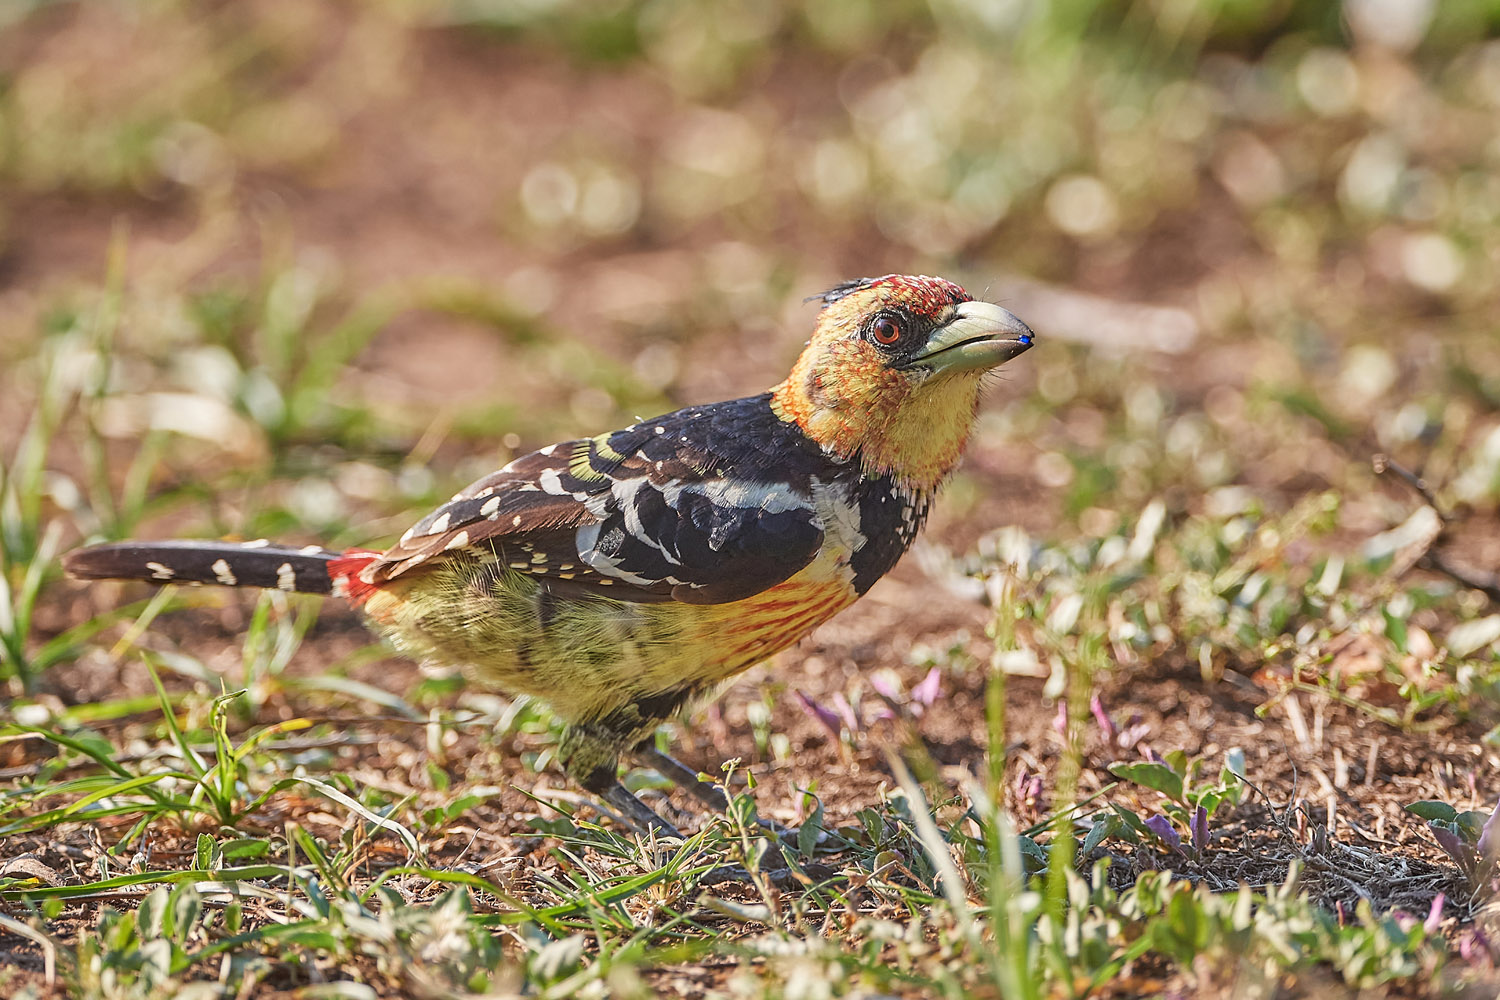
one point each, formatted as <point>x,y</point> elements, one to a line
<point>594,654</point>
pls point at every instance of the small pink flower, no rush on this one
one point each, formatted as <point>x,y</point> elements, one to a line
<point>1488,847</point>
<point>1106,724</point>
<point>1434,916</point>
<point>927,690</point>
<point>886,685</point>
<point>845,712</point>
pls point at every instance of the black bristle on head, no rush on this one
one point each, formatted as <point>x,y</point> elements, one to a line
<point>840,290</point>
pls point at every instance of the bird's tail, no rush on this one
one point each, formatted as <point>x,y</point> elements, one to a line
<point>310,569</point>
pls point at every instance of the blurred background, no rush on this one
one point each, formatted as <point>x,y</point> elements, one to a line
<point>299,270</point>
<point>271,267</point>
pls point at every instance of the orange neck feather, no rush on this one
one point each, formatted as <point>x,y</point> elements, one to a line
<point>844,398</point>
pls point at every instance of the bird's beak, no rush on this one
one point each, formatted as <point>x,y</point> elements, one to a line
<point>980,336</point>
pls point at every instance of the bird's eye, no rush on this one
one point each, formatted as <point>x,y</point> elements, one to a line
<point>886,330</point>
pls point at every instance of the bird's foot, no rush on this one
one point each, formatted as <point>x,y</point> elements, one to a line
<point>771,864</point>
<point>637,813</point>
<point>707,792</point>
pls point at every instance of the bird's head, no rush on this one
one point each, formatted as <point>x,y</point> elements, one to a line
<point>893,371</point>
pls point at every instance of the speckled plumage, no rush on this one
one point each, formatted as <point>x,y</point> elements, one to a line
<point>622,576</point>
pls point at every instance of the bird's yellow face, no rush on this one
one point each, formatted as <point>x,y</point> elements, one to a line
<point>893,371</point>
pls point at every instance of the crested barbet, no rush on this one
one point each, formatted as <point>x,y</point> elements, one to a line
<point>621,577</point>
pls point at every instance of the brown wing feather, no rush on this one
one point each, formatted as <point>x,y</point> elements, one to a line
<point>510,513</point>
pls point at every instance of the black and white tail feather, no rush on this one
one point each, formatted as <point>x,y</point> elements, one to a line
<point>302,570</point>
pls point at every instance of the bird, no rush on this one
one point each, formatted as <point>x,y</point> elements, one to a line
<point>625,577</point>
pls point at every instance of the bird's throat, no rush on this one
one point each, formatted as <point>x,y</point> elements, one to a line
<point>914,432</point>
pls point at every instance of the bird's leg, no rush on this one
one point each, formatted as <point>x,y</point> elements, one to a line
<point>591,757</point>
<point>590,753</point>
<point>681,775</point>
<point>687,779</point>
<point>710,795</point>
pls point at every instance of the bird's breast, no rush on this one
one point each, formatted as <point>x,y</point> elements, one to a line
<point>758,626</point>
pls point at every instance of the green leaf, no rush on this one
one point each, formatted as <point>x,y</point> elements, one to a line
<point>1101,829</point>
<point>144,878</point>
<point>1395,628</point>
<point>184,908</point>
<point>1132,827</point>
<point>244,847</point>
<point>1187,926</point>
<point>1209,800</point>
<point>152,915</point>
<point>1470,824</point>
<point>444,815</point>
<point>1031,848</point>
<point>807,835</point>
<point>1430,809</point>
<point>1149,774</point>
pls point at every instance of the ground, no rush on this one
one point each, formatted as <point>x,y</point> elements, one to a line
<point>300,271</point>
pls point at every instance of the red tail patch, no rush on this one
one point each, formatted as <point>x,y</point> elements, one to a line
<point>345,571</point>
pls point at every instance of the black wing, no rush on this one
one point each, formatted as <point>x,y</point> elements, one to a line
<point>693,506</point>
